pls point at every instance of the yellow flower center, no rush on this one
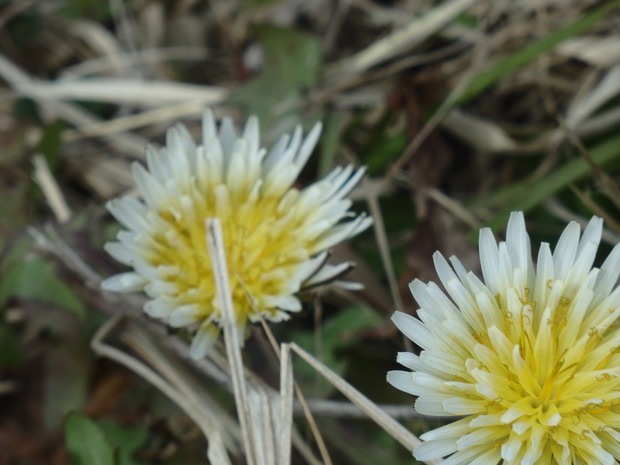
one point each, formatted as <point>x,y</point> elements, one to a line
<point>261,239</point>
<point>548,384</point>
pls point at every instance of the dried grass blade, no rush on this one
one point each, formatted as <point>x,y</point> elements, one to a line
<point>403,39</point>
<point>600,52</point>
<point>527,54</point>
<point>215,243</point>
<point>384,249</point>
<point>286,405</point>
<point>7,387</point>
<point>607,89</point>
<point>316,433</point>
<point>259,419</point>
<point>163,114</point>
<point>391,426</point>
<point>479,132</point>
<point>217,452</point>
<point>143,344</point>
<point>268,413</point>
<point>44,178</point>
<point>23,83</point>
<point>102,349</point>
<point>123,91</point>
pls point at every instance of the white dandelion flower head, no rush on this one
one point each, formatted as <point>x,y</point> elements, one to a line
<point>529,356</point>
<point>276,236</point>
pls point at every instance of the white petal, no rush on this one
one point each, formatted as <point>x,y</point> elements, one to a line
<point>275,153</point>
<point>409,360</point>
<point>160,308</point>
<point>227,137</point>
<point>489,259</point>
<point>414,329</point>
<point>492,456</point>
<point>592,233</point>
<point>251,135</point>
<point>401,380</point>
<point>124,283</point>
<point>209,130</point>
<point>518,241</point>
<point>481,436</point>
<point>463,406</point>
<point>284,302</point>
<point>204,339</point>
<point>435,449</point>
<point>130,213</point>
<point>608,275</point>
<point>152,191</point>
<point>566,250</point>
<point>308,146</point>
<point>431,405</point>
<point>342,232</point>
<point>309,268</point>
<point>481,455</point>
<point>450,431</point>
<point>119,252</point>
<point>157,163</point>
<point>544,274</point>
<point>351,183</point>
<point>348,285</point>
<point>185,315</point>
<point>181,168</point>
<point>276,317</point>
<point>328,272</point>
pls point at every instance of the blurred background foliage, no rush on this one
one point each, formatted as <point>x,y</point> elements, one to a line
<point>462,111</point>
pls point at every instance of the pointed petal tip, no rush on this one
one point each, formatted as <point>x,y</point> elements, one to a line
<point>124,283</point>
<point>204,339</point>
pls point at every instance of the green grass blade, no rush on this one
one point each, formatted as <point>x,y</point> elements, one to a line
<point>524,56</point>
<point>530,193</point>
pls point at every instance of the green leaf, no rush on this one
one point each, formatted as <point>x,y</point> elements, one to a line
<point>258,4</point>
<point>69,363</point>
<point>527,54</point>
<point>330,142</point>
<point>383,150</point>
<point>10,349</point>
<point>124,439</point>
<point>467,20</point>
<point>15,211</point>
<point>93,9</point>
<point>50,143</point>
<point>336,333</point>
<point>13,252</point>
<point>86,442</point>
<point>37,280</point>
<point>292,61</point>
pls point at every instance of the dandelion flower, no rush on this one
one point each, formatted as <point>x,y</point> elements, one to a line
<point>529,357</point>
<point>276,236</point>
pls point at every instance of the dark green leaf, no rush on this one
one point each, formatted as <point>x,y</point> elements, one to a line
<point>124,439</point>
<point>49,146</point>
<point>257,4</point>
<point>86,442</point>
<point>383,150</point>
<point>68,363</point>
<point>94,9</point>
<point>336,333</point>
<point>10,349</point>
<point>330,142</point>
<point>37,280</point>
